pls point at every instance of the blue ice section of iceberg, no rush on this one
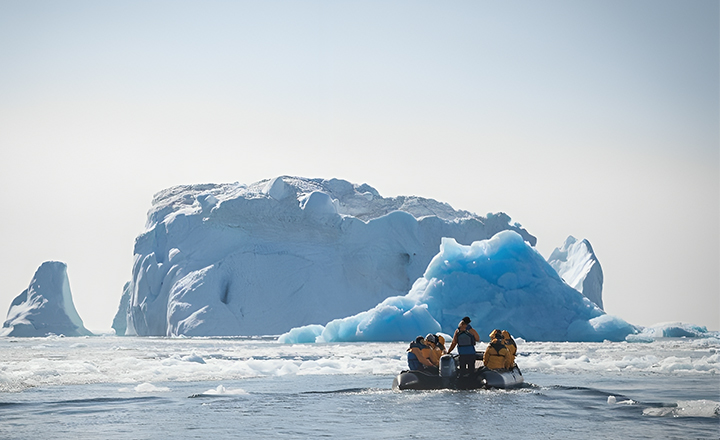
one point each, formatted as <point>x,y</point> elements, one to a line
<point>391,320</point>
<point>302,335</point>
<point>501,282</point>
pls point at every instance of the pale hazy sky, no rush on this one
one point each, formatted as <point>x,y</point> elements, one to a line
<point>597,119</point>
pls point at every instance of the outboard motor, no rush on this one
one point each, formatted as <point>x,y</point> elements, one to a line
<point>447,366</point>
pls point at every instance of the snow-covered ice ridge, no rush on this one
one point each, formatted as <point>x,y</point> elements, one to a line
<point>234,259</point>
<point>360,201</point>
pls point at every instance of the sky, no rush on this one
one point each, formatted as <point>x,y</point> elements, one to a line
<point>597,119</point>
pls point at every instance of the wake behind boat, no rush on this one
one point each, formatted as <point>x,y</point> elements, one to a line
<point>448,377</point>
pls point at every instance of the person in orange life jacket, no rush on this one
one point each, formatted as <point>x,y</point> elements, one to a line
<point>417,355</point>
<point>441,343</point>
<point>465,338</point>
<point>511,348</point>
<point>496,354</point>
<point>435,350</point>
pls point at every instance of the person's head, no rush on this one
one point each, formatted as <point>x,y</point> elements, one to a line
<point>440,340</point>
<point>430,338</point>
<point>466,320</point>
<point>505,334</point>
<point>420,340</point>
<point>462,325</point>
<point>495,334</point>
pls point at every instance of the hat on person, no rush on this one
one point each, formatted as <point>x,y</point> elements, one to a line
<point>466,320</point>
<point>431,338</point>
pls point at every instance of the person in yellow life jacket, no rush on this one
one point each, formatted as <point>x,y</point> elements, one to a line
<point>511,348</point>
<point>495,356</point>
<point>435,350</point>
<point>417,355</point>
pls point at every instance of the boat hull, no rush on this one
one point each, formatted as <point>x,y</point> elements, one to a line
<point>482,378</point>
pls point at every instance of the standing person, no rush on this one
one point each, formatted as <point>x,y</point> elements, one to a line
<point>496,354</point>
<point>511,348</point>
<point>465,338</point>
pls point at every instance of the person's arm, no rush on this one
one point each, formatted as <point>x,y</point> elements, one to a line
<point>475,334</point>
<point>509,360</point>
<point>435,357</point>
<point>454,342</point>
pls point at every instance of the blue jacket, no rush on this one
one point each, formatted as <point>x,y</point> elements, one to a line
<point>413,361</point>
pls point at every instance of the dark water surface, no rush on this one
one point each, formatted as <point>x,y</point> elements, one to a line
<point>364,407</point>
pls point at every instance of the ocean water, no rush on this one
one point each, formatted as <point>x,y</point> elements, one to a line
<point>156,388</point>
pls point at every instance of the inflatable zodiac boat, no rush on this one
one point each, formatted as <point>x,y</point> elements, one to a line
<point>448,377</point>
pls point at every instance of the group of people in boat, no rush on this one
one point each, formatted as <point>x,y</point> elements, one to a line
<point>425,353</point>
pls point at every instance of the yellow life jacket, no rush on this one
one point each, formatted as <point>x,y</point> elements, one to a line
<point>431,355</point>
<point>512,350</point>
<point>495,355</point>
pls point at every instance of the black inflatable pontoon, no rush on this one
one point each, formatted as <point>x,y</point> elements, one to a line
<point>448,377</point>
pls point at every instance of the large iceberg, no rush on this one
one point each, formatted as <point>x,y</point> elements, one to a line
<point>501,283</point>
<point>236,259</point>
<point>45,307</point>
<point>577,264</point>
